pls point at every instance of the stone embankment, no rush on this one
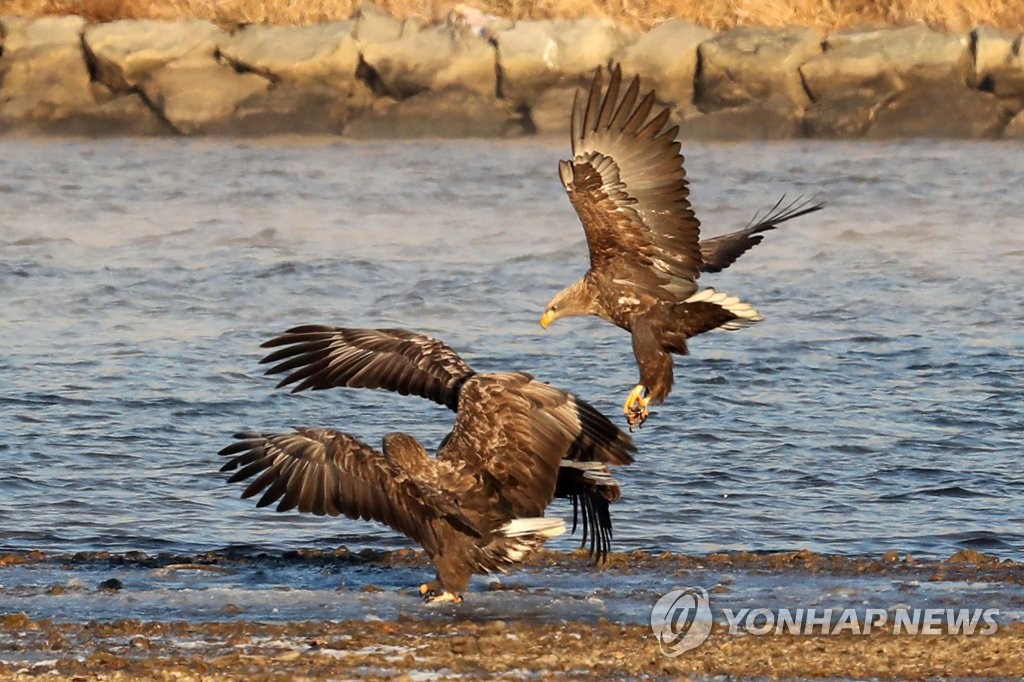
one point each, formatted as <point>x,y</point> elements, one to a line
<point>374,76</point>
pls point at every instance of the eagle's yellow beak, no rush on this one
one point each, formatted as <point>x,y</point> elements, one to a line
<point>547,318</point>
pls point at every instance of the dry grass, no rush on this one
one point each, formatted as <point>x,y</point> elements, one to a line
<point>825,15</point>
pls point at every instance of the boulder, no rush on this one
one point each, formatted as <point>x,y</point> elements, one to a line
<point>551,111</point>
<point>666,59</point>
<point>536,55</point>
<point>764,119</point>
<point>447,114</point>
<point>950,111</point>
<point>291,109</point>
<point>123,52</point>
<point>991,48</point>
<point>469,20</point>
<point>30,33</point>
<point>997,62</point>
<point>432,59</point>
<point>43,74</point>
<point>878,63</point>
<point>863,72</point>
<point>42,83</point>
<point>747,64</point>
<point>842,118</point>
<point>374,25</point>
<point>325,54</point>
<point>200,99</point>
<point>116,115</point>
<point>1014,130</point>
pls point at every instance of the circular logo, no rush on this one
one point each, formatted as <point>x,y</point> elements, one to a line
<point>681,620</point>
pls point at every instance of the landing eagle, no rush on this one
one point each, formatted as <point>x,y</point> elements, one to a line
<point>477,507</point>
<point>627,183</point>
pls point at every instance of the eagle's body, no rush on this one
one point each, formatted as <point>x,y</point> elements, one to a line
<point>627,183</point>
<point>477,506</point>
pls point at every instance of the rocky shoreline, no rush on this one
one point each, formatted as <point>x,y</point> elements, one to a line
<point>417,649</point>
<point>374,76</point>
<point>231,641</point>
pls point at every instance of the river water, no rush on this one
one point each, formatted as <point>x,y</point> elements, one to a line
<point>879,406</point>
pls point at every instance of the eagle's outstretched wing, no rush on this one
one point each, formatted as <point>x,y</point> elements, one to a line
<point>321,357</point>
<point>517,430</point>
<point>327,472</point>
<point>627,183</point>
<point>410,363</point>
<point>511,431</point>
<point>720,252</point>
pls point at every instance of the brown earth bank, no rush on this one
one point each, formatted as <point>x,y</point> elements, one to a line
<point>497,649</point>
<point>378,71</point>
<point>824,15</point>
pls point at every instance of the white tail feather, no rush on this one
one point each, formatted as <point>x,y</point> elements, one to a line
<point>526,535</point>
<point>539,525</point>
<point>745,313</point>
<point>596,472</point>
<point>583,466</point>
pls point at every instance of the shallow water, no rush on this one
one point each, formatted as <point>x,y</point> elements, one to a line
<point>877,408</point>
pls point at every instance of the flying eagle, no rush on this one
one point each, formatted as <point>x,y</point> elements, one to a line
<point>477,507</point>
<point>627,183</point>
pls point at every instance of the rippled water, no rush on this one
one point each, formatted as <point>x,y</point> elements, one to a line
<point>878,407</point>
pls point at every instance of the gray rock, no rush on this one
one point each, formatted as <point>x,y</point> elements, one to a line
<point>536,55</point>
<point>374,24</point>
<point>991,48</point>
<point>843,118</point>
<point>447,114</point>
<point>940,112</point>
<point>765,119</point>
<point>123,52</point>
<point>666,59</point>
<point>28,33</point>
<point>997,64</point>
<point>551,111</point>
<point>290,109</point>
<point>43,83</point>
<point>878,63</point>
<point>324,54</point>
<point>1015,128</point>
<point>117,116</point>
<point>432,59</point>
<point>469,20</point>
<point>748,64</point>
<point>200,99</point>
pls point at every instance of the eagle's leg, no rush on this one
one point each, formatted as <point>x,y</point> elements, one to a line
<point>432,596</point>
<point>636,406</point>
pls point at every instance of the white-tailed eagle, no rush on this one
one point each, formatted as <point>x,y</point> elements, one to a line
<point>478,505</point>
<point>627,183</point>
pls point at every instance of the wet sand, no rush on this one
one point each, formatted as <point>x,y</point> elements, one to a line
<point>424,642</point>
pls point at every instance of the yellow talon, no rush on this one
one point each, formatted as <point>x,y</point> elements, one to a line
<point>432,597</point>
<point>443,597</point>
<point>636,406</point>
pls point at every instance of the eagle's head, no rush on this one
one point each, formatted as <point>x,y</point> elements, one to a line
<point>572,300</point>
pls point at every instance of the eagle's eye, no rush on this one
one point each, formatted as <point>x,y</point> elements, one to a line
<point>553,308</point>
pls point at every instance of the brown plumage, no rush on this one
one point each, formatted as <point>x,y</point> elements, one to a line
<point>627,183</point>
<point>476,506</point>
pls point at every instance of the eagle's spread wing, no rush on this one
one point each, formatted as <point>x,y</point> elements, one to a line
<point>327,472</point>
<point>720,252</point>
<point>321,357</point>
<point>516,430</point>
<point>627,183</point>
